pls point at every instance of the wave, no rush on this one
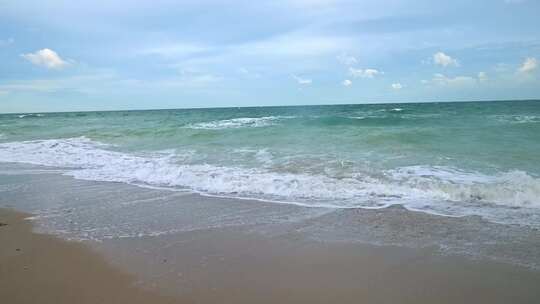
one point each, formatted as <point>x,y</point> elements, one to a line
<point>512,189</point>
<point>241,122</point>
<point>517,119</point>
<point>385,118</point>
<point>440,190</point>
<point>31,115</point>
<point>390,110</point>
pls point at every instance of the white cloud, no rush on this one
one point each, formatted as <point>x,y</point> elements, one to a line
<point>300,46</point>
<point>502,67</point>
<point>397,86</point>
<point>458,81</point>
<point>247,73</point>
<point>100,81</point>
<point>444,60</point>
<point>174,50</point>
<point>347,59</point>
<point>482,77</point>
<point>192,78</point>
<point>81,83</point>
<point>38,85</point>
<point>363,73</point>
<point>347,82</point>
<point>47,58</point>
<point>313,3</point>
<point>193,81</point>
<point>529,65</point>
<point>294,44</point>
<point>302,81</point>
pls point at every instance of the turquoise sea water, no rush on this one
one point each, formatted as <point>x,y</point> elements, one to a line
<point>477,158</point>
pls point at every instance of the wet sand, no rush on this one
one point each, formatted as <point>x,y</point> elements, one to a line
<point>235,266</point>
<point>38,268</point>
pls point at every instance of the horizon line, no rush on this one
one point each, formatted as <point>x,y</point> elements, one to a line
<point>277,106</point>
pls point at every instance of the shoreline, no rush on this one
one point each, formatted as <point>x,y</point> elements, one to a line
<point>234,266</point>
<point>138,245</point>
<point>75,209</point>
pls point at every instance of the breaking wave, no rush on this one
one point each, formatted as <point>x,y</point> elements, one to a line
<point>517,119</point>
<point>31,115</point>
<point>242,122</point>
<point>440,190</point>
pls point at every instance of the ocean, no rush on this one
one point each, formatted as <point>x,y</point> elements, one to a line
<point>448,159</point>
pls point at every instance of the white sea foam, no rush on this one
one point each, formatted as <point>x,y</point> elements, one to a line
<point>517,119</point>
<point>513,189</point>
<point>241,122</point>
<point>439,190</point>
<point>30,115</point>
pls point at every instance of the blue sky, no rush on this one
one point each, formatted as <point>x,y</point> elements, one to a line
<point>102,55</point>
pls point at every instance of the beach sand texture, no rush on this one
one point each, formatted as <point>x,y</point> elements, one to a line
<point>229,267</point>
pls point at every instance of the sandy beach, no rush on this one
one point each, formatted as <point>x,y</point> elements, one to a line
<point>38,268</point>
<point>232,266</point>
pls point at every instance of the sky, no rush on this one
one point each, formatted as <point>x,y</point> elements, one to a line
<point>59,55</point>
